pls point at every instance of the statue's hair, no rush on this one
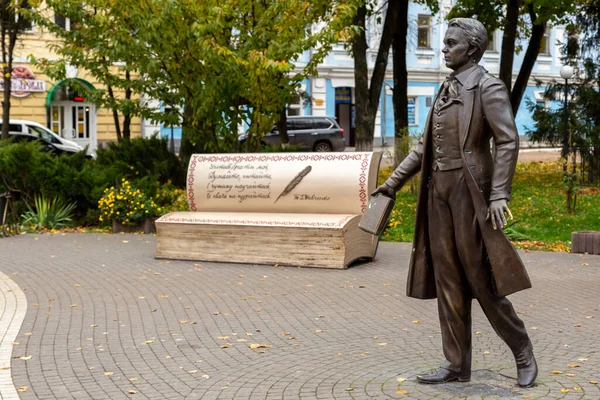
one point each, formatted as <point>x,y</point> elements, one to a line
<point>475,33</point>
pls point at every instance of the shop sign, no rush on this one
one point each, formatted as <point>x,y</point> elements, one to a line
<point>343,95</point>
<point>23,82</point>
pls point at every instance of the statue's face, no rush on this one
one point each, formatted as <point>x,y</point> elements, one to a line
<point>456,49</point>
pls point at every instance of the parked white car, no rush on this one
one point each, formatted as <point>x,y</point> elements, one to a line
<point>35,129</point>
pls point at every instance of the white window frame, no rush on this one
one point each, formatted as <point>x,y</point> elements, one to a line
<point>547,38</point>
<point>493,43</point>
<point>427,27</point>
<point>299,107</point>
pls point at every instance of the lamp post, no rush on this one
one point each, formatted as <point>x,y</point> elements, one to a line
<point>566,72</point>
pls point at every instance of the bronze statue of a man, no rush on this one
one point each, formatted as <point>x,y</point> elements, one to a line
<point>459,250</point>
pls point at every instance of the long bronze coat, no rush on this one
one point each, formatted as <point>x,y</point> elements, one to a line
<point>485,114</point>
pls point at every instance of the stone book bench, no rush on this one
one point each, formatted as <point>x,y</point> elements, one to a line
<point>299,209</point>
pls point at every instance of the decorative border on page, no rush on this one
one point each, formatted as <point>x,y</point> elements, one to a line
<point>257,222</point>
<point>362,179</point>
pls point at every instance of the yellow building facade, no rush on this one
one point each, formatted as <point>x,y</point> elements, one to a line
<point>35,97</point>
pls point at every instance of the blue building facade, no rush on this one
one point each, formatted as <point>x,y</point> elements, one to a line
<point>332,90</point>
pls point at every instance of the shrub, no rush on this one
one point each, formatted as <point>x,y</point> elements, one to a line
<point>148,162</point>
<point>49,214</point>
<point>27,172</point>
<point>127,205</point>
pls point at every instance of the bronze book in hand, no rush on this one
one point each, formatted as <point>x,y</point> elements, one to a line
<point>376,215</point>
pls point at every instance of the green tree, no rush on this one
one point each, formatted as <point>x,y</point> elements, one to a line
<point>400,73</point>
<point>98,40</point>
<point>368,92</point>
<point>12,23</point>
<point>519,19</point>
<point>583,119</point>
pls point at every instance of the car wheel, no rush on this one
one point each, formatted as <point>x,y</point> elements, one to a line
<point>323,146</point>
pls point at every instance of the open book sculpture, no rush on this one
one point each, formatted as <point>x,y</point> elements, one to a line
<point>300,209</point>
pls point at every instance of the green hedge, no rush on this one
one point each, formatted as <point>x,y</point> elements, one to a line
<point>26,171</point>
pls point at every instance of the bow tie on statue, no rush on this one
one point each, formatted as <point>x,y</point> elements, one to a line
<point>449,91</point>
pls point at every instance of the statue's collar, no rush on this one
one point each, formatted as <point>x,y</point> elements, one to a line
<point>463,73</point>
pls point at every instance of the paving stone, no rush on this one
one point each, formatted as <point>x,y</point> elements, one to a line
<point>184,331</point>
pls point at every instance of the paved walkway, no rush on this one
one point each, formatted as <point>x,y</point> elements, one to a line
<point>105,320</point>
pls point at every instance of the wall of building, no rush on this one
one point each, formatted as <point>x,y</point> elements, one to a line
<point>33,107</point>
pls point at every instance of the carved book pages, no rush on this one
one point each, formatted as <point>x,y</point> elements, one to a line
<point>299,209</point>
<point>376,215</point>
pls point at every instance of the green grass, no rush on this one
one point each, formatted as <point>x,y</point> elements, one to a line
<point>538,205</point>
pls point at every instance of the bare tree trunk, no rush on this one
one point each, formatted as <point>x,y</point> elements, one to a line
<point>400,93</point>
<point>127,115</point>
<point>115,114</point>
<point>367,97</point>
<point>6,99</point>
<point>282,128</point>
<point>533,50</point>
<point>508,43</point>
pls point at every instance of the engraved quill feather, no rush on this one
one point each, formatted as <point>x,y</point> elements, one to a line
<point>294,182</point>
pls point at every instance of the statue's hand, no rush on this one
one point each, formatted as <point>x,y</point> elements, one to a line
<point>496,212</point>
<point>385,190</point>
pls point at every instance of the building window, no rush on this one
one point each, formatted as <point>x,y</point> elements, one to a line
<point>493,43</point>
<point>424,31</point>
<point>545,45</point>
<point>412,111</point>
<point>295,106</point>
<point>64,22</point>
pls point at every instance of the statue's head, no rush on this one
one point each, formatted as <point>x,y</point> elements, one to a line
<point>465,42</point>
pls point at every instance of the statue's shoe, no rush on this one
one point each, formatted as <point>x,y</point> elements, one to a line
<point>443,375</point>
<point>527,368</point>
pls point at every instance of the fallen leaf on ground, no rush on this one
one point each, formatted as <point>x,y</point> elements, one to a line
<point>577,388</point>
<point>416,321</point>
<point>222,337</point>
<point>132,391</point>
<point>149,341</point>
<point>593,382</point>
<point>349,389</point>
<point>133,379</point>
<point>192,371</point>
<point>226,346</point>
<point>589,317</point>
<point>577,325</point>
<point>401,391</point>
<point>125,241</point>
<point>94,325</point>
<point>23,389</point>
<point>108,373</point>
<point>571,375</point>
<point>486,353</point>
<point>573,365</point>
<point>582,359</point>
<point>564,390</point>
<point>260,346</point>
<point>26,358</point>
<point>401,379</point>
<point>319,330</point>
<point>382,344</point>
<point>556,372</point>
<point>163,296</point>
<point>206,376</point>
<point>478,333</point>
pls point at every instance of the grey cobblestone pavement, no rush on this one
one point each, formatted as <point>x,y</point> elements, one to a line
<point>106,320</point>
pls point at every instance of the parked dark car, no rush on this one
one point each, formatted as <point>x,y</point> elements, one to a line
<point>309,133</point>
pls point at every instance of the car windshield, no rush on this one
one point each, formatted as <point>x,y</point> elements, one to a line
<point>37,131</point>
